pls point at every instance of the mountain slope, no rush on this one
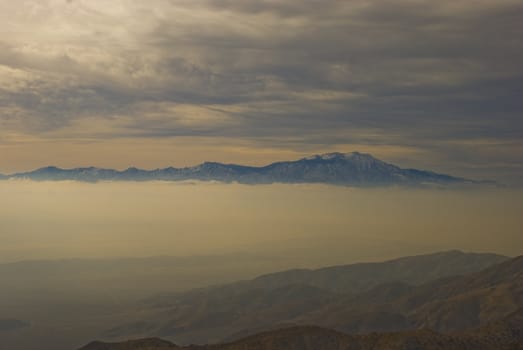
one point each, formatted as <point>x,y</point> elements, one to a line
<point>298,297</point>
<point>506,334</point>
<point>355,278</point>
<point>449,304</point>
<point>354,169</point>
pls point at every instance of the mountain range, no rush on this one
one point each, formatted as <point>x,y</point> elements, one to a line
<point>503,335</point>
<point>475,310</point>
<point>352,169</point>
<point>387,296</point>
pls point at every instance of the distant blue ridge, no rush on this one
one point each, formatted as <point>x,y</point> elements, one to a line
<point>349,169</point>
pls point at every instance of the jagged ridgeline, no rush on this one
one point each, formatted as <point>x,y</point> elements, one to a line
<point>351,169</point>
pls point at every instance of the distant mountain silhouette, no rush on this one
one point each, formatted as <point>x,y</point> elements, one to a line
<point>355,298</point>
<point>353,169</point>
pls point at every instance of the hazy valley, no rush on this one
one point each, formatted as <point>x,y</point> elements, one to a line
<point>195,235</point>
<point>447,292</point>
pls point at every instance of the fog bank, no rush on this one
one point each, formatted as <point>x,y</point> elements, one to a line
<point>309,225</point>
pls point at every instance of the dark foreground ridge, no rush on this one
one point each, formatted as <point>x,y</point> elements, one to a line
<point>350,169</point>
<point>503,335</point>
<point>139,344</point>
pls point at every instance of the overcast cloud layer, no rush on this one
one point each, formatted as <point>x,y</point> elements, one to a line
<point>431,84</point>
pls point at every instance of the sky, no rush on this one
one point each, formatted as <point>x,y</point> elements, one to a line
<point>426,84</point>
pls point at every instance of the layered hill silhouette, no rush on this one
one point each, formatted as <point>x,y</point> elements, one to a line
<point>479,310</point>
<point>353,169</point>
<point>449,304</point>
<point>442,291</point>
<point>506,334</point>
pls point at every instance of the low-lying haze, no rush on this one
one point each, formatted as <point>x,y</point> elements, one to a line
<point>302,225</point>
